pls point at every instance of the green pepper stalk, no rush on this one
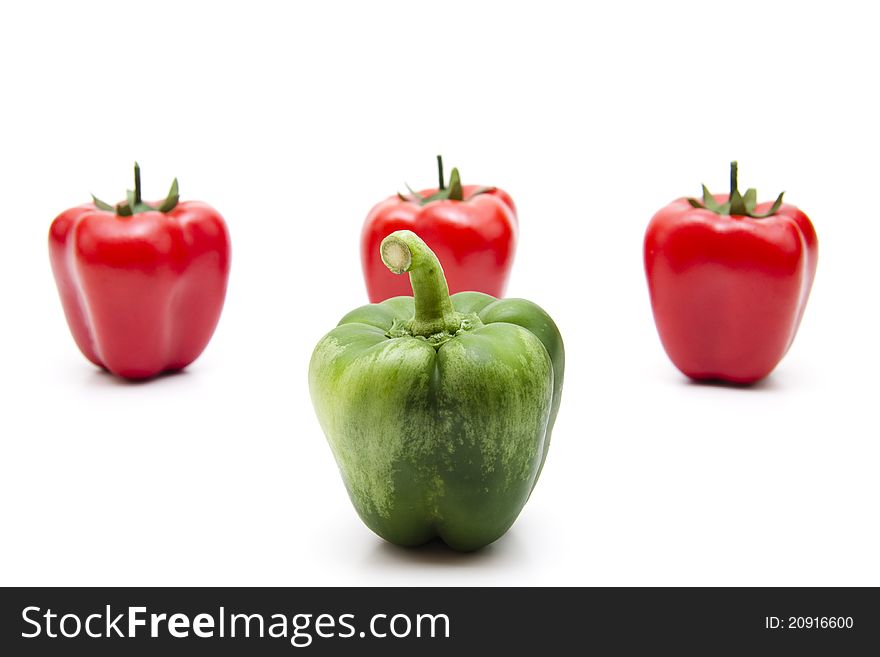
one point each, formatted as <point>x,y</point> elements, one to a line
<point>402,252</point>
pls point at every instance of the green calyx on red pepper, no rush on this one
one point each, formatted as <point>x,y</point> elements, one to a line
<point>135,204</point>
<point>737,204</point>
<point>454,191</point>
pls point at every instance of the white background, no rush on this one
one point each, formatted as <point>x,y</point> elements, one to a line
<point>293,119</point>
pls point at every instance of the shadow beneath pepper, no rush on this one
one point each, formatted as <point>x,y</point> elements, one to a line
<point>105,378</point>
<point>437,553</point>
<point>765,384</point>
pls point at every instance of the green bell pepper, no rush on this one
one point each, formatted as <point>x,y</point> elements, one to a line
<point>438,408</point>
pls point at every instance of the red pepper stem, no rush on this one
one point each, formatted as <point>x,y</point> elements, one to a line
<point>442,184</point>
<point>137,184</point>
<point>737,204</point>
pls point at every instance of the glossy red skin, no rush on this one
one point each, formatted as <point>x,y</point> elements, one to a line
<point>142,294</point>
<point>474,239</point>
<point>728,292</point>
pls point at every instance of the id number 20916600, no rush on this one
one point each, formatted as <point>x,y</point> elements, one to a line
<point>808,622</point>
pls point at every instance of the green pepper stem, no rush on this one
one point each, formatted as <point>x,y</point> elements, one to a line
<point>442,184</point>
<point>404,251</point>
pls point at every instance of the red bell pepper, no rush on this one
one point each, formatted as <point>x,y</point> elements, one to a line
<point>729,279</point>
<point>142,285</point>
<point>471,229</point>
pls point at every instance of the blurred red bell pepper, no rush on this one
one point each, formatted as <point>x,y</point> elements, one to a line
<point>471,229</point>
<point>729,279</point>
<point>142,285</point>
